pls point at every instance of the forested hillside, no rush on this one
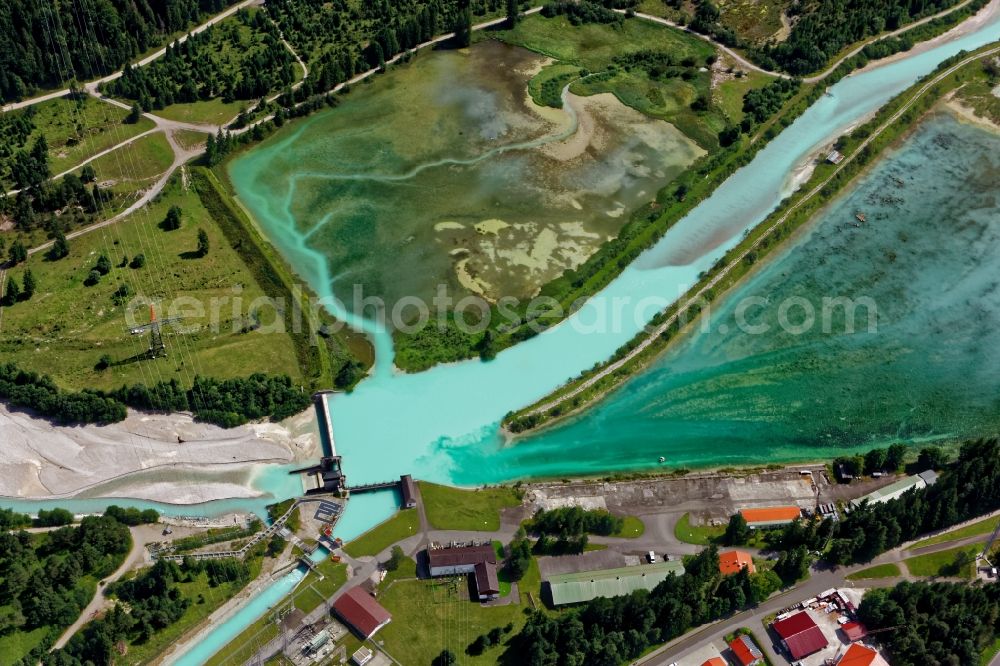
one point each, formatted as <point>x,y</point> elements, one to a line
<point>47,579</point>
<point>44,43</point>
<point>236,60</point>
<point>822,29</point>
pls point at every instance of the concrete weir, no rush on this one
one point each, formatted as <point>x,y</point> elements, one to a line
<point>325,422</point>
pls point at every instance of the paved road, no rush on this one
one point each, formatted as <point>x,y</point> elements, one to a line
<point>145,61</point>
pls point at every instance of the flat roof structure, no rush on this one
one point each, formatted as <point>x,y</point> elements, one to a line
<point>362,656</point>
<point>360,610</point>
<point>573,588</point>
<point>733,561</point>
<point>746,651</point>
<point>892,491</point>
<point>800,634</point>
<point>929,476</point>
<point>771,515</point>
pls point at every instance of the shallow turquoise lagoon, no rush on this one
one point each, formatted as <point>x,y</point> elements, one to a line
<point>745,389</point>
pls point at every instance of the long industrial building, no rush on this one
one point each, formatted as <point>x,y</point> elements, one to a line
<point>574,588</point>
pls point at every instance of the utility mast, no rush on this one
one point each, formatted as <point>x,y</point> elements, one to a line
<point>156,346</point>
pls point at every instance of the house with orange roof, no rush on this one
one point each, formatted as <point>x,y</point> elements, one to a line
<point>861,655</point>
<point>746,651</point>
<point>770,516</point>
<point>715,661</point>
<point>732,561</point>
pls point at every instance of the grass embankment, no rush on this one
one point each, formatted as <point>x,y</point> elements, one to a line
<point>475,510</point>
<point>861,147</point>
<point>315,590</point>
<point>68,326</point>
<point>404,524</point>
<point>981,527</point>
<point>956,562</point>
<point>318,357</point>
<point>890,570</point>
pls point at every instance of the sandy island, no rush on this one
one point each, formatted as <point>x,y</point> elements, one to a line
<point>199,462</point>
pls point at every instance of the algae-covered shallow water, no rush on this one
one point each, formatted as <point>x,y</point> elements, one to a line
<point>929,260</point>
<point>444,171</point>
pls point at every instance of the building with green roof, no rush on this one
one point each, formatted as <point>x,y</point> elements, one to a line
<point>896,489</point>
<point>574,588</point>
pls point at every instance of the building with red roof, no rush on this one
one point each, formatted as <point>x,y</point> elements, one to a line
<point>715,661</point>
<point>732,561</point>
<point>360,610</point>
<point>800,635</point>
<point>855,631</point>
<point>861,655</point>
<point>746,651</point>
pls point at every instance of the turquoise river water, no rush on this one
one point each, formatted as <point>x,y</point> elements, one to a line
<point>443,424</point>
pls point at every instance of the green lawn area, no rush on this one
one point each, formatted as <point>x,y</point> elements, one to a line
<point>633,528</point>
<point>403,524</point>
<point>943,563</point>
<point>189,139</point>
<point>312,591</point>
<point>455,509</point>
<point>700,535</point>
<point>213,111</point>
<point>67,326</point>
<point>15,645</point>
<point>430,615</point>
<point>878,571</point>
<point>204,600</point>
<point>139,163</point>
<point>985,526</point>
<point>729,94</point>
<point>407,569</point>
